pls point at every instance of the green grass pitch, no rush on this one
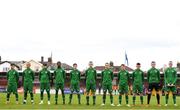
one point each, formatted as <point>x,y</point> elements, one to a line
<point>83,105</point>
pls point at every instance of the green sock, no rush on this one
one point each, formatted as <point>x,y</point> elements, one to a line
<point>174,98</point>
<point>87,99</point>
<point>25,95</point>
<point>127,99</point>
<point>8,96</point>
<point>134,99</point>
<point>41,95</point>
<point>48,94</point>
<point>166,98</point>
<point>120,99</point>
<point>141,98</point>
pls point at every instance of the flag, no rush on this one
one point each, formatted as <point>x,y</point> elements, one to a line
<point>126,59</point>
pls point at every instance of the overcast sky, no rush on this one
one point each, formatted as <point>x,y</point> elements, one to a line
<point>98,30</point>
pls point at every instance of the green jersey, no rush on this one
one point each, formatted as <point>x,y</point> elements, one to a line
<point>90,75</point>
<point>44,76</point>
<point>75,76</point>
<point>107,76</point>
<point>28,76</point>
<point>12,77</point>
<point>170,76</point>
<point>59,75</point>
<point>123,77</point>
<point>153,75</point>
<point>138,77</point>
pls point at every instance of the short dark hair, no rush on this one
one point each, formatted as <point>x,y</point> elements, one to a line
<point>170,61</point>
<point>74,64</point>
<point>12,64</point>
<point>153,62</point>
<point>91,62</point>
<point>138,63</point>
<point>44,64</point>
<point>122,64</point>
<point>58,62</point>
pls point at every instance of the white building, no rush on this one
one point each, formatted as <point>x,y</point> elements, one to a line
<point>35,66</point>
<point>6,66</point>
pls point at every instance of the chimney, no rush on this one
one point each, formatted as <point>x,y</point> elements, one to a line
<point>42,59</point>
<point>50,60</point>
<point>111,63</point>
<point>178,66</point>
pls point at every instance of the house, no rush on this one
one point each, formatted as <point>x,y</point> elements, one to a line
<point>52,66</point>
<point>5,66</point>
<point>35,66</point>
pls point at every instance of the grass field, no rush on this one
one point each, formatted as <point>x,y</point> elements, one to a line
<point>83,105</point>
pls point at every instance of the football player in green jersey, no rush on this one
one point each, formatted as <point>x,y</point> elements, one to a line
<point>107,78</point>
<point>75,76</point>
<point>90,76</point>
<point>28,79</point>
<point>138,81</point>
<point>12,78</point>
<point>170,78</point>
<point>44,78</point>
<point>59,75</point>
<point>153,77</point>
<point>123,80</point>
